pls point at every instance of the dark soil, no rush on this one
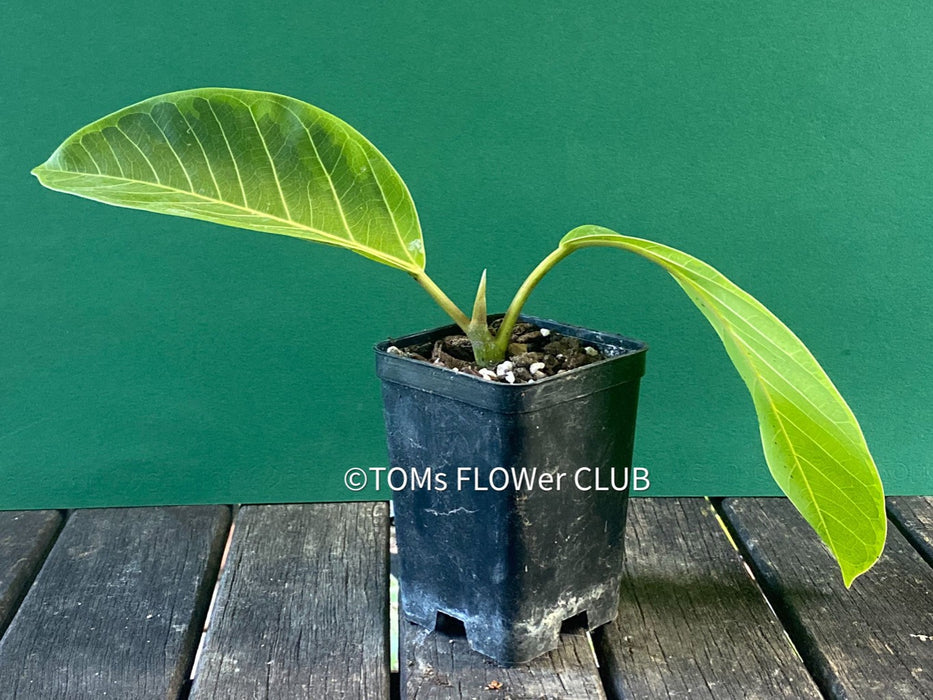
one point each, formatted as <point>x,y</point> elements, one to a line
<point>534,353</point>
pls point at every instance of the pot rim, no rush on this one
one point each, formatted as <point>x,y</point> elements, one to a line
<point>626,362</point>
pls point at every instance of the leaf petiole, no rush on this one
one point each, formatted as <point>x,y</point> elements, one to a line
<point>521,296</point>
<point>444,301</point>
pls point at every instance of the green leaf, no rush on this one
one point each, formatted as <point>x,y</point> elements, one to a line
<point>812,442</point>
<point>248,159</point>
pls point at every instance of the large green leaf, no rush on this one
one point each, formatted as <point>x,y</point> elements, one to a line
<point>248,159</point>
<point>812,441</point>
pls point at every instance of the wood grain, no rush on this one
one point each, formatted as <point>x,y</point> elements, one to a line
<point>913,516</point>
<point>302,606</point>
<point>874,640</point>
<point>692,622</point>
<point>25,539</point>
<point>438,666</point>
<point>118,607</point>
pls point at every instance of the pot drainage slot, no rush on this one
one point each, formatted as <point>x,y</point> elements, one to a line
<point>574,624</point>
<point>449,625</point>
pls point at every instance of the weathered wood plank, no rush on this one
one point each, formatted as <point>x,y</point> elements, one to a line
<point>436,666</point>
<point>692,622</point>
<point>913,516</point>
<point>118,607</point>
<point>874,640</point>
<point>302,607</point>
<point>25,539</point>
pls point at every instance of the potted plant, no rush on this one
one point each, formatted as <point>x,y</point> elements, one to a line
<point>275,164</point>
<point>517,521</point>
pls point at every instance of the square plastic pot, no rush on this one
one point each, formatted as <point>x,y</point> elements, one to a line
<point>511,563</point>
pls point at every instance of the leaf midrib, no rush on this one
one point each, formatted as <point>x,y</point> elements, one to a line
<point>689,273</point>
<point>329,237</point>
<point>738,344</point>
<point>782,430</point>
<point>783,433</point>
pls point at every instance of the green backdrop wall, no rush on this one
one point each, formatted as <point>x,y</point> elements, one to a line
<point>147,359</point>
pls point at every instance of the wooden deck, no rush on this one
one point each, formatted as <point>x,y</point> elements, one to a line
<point>731,599</point>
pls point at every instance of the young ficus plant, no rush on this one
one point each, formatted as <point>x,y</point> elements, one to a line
<point>271,163</point>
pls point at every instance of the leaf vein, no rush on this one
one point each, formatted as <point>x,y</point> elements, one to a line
<point>172,149</point>
<point>330,182</point>
<point>223,132</point>
<point>265,147</point>
<point>145,157</point>
<point>207,161</point>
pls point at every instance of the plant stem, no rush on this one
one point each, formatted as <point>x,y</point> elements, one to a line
<point>483,342</point>
<point>437,294</point>
<point>521,296</point>
<point>484,346</point>
<point>487,349</point>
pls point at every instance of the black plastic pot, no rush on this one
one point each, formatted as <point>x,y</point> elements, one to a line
<point>511,564</point>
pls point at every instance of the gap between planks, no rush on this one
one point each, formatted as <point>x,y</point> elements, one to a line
<point>873,640</point>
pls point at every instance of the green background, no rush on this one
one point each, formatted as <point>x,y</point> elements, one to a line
<point>152,360</point>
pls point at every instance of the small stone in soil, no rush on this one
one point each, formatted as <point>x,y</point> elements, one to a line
<point>523,375</point>
<point>529,338</point>
<point>526,359</point>
<point>459,346</point>
<point>534,354</point>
